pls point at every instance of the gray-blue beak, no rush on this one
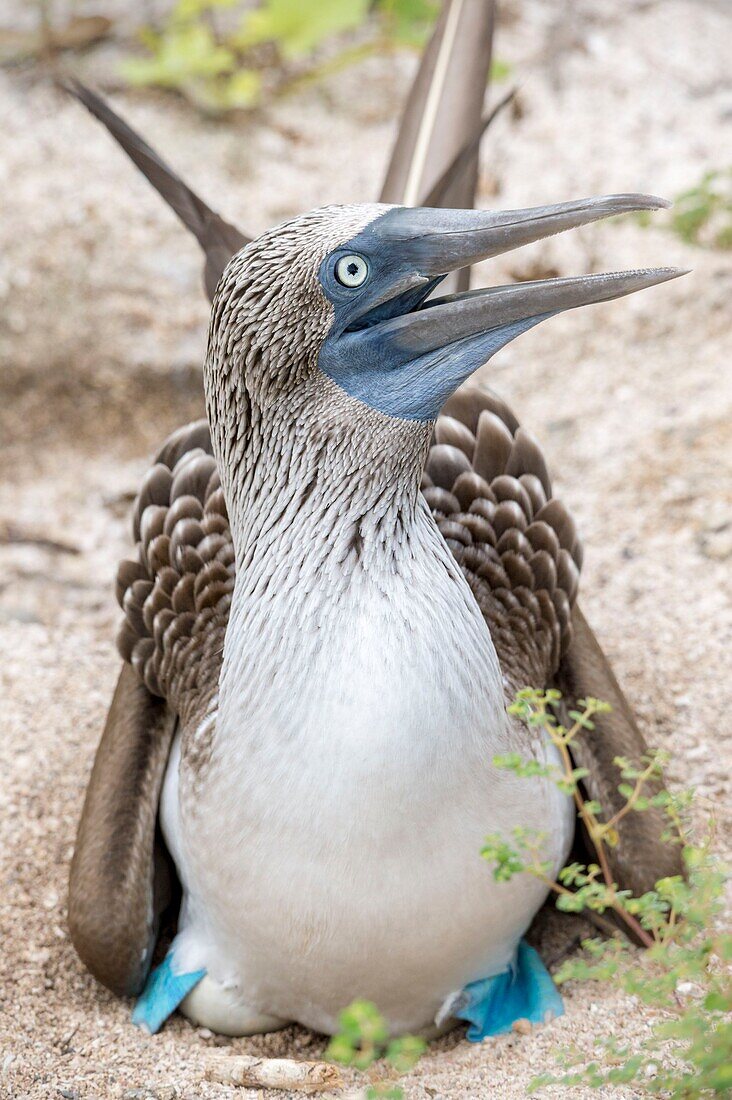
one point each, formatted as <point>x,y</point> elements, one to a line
<point>405,355</point>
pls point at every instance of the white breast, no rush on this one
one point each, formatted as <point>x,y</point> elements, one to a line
<point>330,850</point>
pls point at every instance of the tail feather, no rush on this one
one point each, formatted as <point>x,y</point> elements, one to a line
<point>443,112</point>
<point>461,163</point>
<point>218,238</point>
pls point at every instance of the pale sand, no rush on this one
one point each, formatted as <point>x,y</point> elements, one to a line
<point>101,334</point>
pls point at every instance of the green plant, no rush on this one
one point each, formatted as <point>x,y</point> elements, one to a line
<point>685,974</point>
<point>406,22</point>
<point>363,1038</point>
<point>224,59</point>
<point>702,215</point>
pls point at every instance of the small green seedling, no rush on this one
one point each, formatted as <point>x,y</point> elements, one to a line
<point>363,1039</point>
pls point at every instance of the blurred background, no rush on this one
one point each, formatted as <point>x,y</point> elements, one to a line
<point>269,109</point>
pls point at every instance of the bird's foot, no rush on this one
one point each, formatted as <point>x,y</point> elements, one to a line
<point>524,991</point>
<point>164,990</point>
<point>205,1001</point>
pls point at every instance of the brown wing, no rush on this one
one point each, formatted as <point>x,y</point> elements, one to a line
<point>175,595</point>
<point>640,858</point>
<point>487,483</point>
<point>176,592</point>
<point>119,883</point>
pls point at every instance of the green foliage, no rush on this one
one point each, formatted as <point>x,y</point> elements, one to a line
<point>703,214</point>
<point>685,980</point>
<point>265,49</point>
<point>298,28</point>
<point>363,1038</point>
<point>684,976</point>
<point>407,22</point>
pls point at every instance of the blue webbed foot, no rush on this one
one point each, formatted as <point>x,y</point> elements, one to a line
<point>163,992</point>
<point>523,991</point>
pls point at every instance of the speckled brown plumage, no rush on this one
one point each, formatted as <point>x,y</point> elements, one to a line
<point>176,594</point>
<point>487,484</point>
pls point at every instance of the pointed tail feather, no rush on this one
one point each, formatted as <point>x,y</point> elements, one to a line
<point>443,112</point>
<point>218,238</point>
<point>461,164</point>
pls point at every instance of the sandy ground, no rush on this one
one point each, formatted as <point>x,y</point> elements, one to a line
<point>101,335</point>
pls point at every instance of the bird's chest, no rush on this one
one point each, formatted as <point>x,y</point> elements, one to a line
<point>366,714</point>
<point>388,684</point>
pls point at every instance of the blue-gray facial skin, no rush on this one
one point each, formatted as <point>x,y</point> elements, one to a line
<point>375,351</point>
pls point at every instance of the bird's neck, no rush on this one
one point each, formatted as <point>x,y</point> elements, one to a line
<point>349,609</point>
<point>318,477</point>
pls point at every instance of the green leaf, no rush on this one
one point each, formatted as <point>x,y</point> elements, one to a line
<point>384,1092</point>
<point>407,21</point>
<point>340,1049</point>
<point>296,27</point>
<point>184,53</point>
<point>244,89</point>
<point>507,859</point>
<point>718,1001</point>
<point>404,1053</point>
<point>570,903</point>
<point>702,215</point>
<point>188,10</point>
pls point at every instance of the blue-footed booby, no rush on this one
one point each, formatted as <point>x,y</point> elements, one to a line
<point>341,578</point>
<point>336,613</point>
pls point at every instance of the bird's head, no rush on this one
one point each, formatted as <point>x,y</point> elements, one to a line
<point>344,293</point>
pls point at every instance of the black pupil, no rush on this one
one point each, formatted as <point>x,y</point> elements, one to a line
<point>352,268</point>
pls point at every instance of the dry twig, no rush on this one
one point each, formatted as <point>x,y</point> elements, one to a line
<point>273,1073</point>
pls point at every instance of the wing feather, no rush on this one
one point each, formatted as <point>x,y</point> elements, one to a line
<point>435,154</point>
<point>121,880</point>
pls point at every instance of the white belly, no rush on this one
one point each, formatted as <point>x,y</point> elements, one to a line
<point>387,899</point>
<point>331,848</point>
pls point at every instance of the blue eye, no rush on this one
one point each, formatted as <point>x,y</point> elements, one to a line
<point>351,271</point>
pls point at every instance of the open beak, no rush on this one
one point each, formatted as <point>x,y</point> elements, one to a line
<point>426,348</point>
